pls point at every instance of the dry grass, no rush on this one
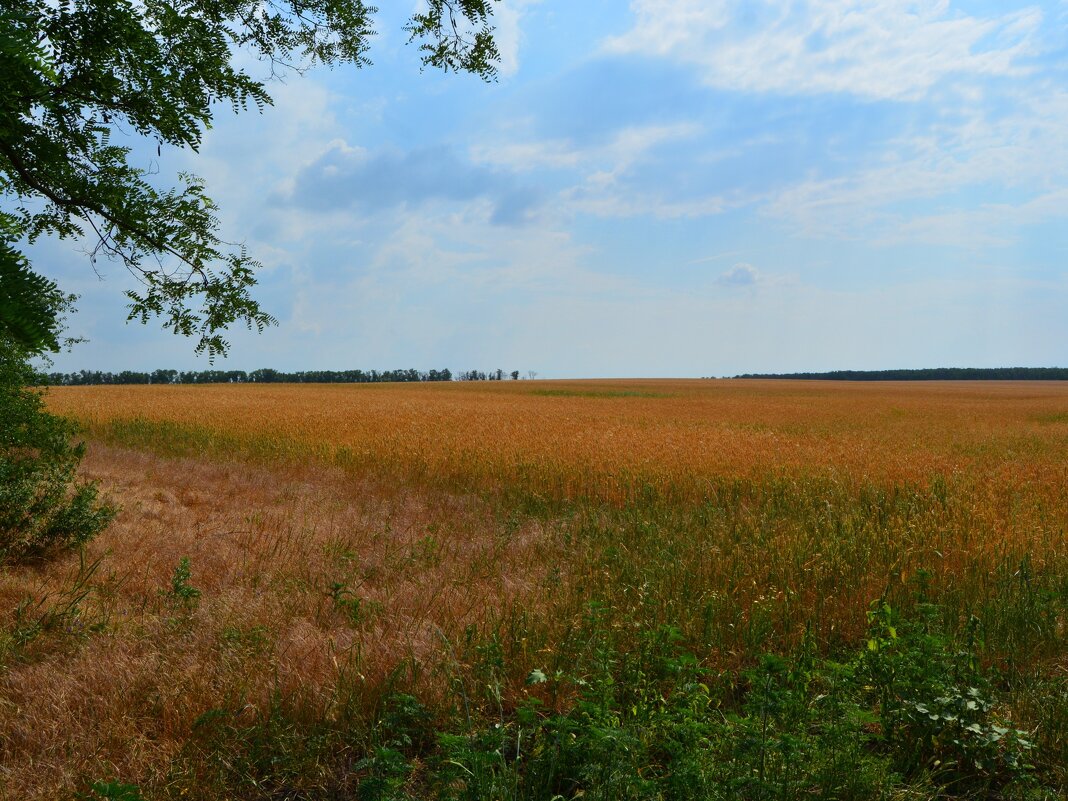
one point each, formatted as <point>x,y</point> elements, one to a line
<point>268,550</point>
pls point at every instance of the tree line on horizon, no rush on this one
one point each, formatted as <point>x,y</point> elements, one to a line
<point>269,376</point>
<point>930,374</point>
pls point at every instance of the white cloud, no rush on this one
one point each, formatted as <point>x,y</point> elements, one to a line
<point>1022,154</point>
<point>599,197</point>
<point>429,287</point>
<point>284,138</point>
<point>990,225</point>
<point>740,274</point>
<point>616,155</point>
<point>508,33</point>
<point>602,190</point>
<point>890,49</point>
<point>526,156</point>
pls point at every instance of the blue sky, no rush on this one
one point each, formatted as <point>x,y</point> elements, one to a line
<point>665,188</point>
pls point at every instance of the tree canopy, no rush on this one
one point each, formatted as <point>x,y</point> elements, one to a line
<point>75,71</point>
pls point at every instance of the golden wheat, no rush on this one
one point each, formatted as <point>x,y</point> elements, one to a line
<point>600,437</point>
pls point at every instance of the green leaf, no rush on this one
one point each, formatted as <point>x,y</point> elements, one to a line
<point>536,676</point>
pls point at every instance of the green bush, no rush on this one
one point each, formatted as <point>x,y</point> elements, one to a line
<point>648,722</point>
<point>936,705</point>
<point>43,507</point>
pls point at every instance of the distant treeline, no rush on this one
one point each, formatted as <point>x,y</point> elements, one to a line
<point>931,374</point>
<point>268,376</point>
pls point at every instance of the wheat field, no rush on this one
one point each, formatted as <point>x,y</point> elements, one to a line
<point>344,542</point>
<point>607,440</point>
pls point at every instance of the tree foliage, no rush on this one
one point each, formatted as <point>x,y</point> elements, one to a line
<point>28,303</point>
<point>75,71</point>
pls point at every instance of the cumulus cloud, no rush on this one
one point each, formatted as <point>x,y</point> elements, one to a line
<point>887,49</point>
<point>740,274</point>
<point>508,33</point>
<point>346,177</point>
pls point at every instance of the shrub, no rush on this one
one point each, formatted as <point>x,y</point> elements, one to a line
<point>43,507</point>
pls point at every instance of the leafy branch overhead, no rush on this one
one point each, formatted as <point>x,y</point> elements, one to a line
<point>75,71</point>
<point>29,304</point>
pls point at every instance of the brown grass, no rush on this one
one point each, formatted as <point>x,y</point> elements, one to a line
<point>265,548</point>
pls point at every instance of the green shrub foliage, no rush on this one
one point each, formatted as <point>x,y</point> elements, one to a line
<point>43,508</point>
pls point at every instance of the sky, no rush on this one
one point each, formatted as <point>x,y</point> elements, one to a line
<point>665,188</point>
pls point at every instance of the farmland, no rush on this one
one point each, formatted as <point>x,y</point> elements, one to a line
<point>598,589</point>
